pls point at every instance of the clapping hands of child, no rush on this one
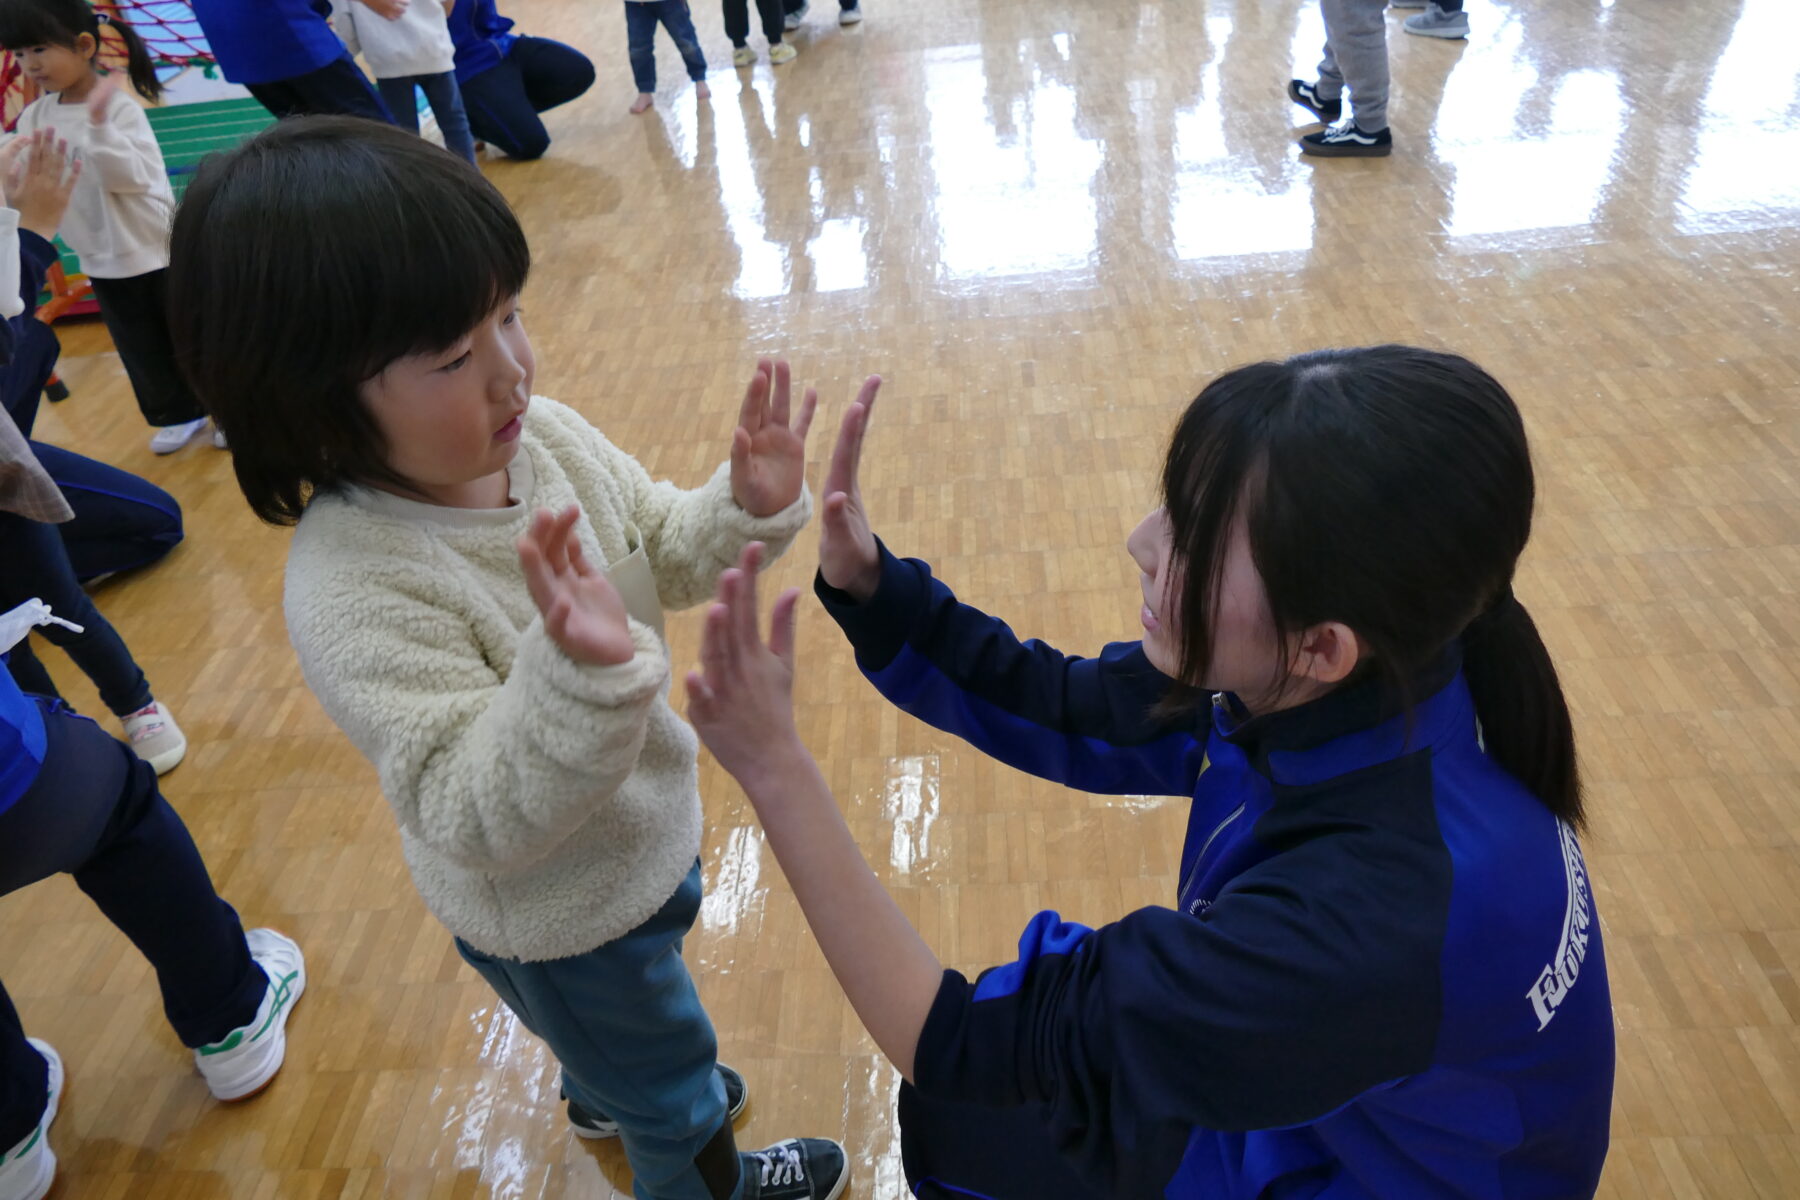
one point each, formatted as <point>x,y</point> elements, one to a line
<point>848,556</point>
<point>583,613</point>
<point>768,454</point>
<point>38,175</point>
<point>742,699</point>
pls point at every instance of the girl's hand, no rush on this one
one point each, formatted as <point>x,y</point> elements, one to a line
<point>848,557</point>
<point>98,99</point>
<point>40,176</point>
<point>768,458</point>
<point>393,10</point>
<point>742,700</point>
<point>583,612</point>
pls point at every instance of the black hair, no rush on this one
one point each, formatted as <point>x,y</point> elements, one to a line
<point>1390,489</point>
<point>305,261</point>
<point>27,23</point>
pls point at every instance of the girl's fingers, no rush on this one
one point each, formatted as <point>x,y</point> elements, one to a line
<point>808,405</point>
<point>748,636</point>
<point>716,650</point>
<point>700,697</point>
<point>783,393</point>
<point>756,397</point>
<point>782,625</point>
<point>841,475</point>
<point>537,576</point>
<point>865,404</point>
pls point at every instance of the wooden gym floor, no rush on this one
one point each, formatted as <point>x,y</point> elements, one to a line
<point>1047,223</point>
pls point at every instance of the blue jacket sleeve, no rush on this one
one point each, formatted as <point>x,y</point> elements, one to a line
<point>1085,722</point>
<point>1306,984</point>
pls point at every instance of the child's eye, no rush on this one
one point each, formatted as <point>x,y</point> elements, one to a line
<point>513,316</point>
<point>457,363</point>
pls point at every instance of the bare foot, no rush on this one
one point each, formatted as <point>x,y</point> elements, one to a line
<point>702,91</point>
<point>643,102</point>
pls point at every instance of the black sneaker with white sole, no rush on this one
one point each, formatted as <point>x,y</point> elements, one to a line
<point>797,1169</point>
<point>1345,140</point>
<point>598,1126</point>
<point>1306,95</point>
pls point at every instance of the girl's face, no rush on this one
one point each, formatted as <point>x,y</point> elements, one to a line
<point>58,68</point>
<point>452,420</point>
<point>1245,657</point>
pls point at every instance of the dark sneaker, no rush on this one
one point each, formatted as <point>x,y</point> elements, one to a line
<point>1345,140</point>
<point>797,1169</point>
<point>597,1126</point>
<point>1306,95</point>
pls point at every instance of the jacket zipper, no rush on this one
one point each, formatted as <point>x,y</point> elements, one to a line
<point>1181,898</point>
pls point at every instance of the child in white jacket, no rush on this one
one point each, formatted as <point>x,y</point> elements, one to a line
<point>408,51</point>
<point>474,591</point>
<point>118,220</point>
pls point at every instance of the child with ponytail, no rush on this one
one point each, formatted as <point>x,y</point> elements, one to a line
<point>119,217</point>
<point>1381,972</point>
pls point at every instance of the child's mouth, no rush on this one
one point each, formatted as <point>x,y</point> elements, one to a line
<point>509,431</point>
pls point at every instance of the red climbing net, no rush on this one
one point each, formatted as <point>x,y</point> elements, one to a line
<point>168,29</point>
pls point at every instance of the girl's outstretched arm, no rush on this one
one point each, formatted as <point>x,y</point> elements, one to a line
<point>742,704</point>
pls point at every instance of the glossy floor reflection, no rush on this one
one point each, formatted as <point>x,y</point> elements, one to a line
<point>1047,224</point>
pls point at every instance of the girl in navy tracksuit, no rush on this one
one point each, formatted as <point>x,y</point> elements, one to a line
<point>1381,975</point>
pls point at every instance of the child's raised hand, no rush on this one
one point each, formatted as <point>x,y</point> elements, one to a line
<point>768,456</point>
<point>848,557</point>
<point>98,99</point>
<point>583,612</point>
<point>742,699</point>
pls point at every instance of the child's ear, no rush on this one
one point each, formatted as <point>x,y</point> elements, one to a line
<point>86,45</point>
<point>1328,653</point>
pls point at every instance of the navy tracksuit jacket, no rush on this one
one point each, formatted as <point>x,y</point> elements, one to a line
<point>1382,974</point>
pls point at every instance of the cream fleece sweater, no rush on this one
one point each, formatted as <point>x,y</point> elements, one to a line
<point>119,216</point>
<point>545,806</point>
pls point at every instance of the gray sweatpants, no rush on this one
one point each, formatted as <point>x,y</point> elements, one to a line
<point>1356,57</point>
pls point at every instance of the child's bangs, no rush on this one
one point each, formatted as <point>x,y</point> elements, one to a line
<point>446,274</point>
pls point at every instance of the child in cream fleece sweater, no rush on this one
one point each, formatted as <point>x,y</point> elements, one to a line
<point>475,591</point>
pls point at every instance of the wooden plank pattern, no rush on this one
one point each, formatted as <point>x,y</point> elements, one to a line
<point>1047,224</point>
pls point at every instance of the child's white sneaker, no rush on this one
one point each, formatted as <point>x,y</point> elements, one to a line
<point>782,53</point>
<point>743,56</point>
<point>155,737</point>
<point>171,438</point>
<point>242,1065</point>
<point>793,19</point>
<point>851,15</point>
<point>29,1168</point>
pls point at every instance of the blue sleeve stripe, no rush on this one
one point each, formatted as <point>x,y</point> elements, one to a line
<point>1166,766</point>
<point>1047,934</point>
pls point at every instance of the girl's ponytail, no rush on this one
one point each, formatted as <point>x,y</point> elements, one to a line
<point>139,66</point>
<point>1519,701</point>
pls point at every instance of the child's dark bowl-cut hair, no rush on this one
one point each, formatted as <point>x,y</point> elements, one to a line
<point>302,264</point>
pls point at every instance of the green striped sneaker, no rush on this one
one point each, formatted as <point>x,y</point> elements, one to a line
<point>29,1168</point>
<point>242,1065</point>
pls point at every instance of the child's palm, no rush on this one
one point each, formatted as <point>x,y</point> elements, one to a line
<point>768,453</point>
<point>583,612</point>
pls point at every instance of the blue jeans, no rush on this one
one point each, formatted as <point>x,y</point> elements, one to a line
<point>626,1024</point>
<point>641,17</point>
<point>504,101</point>
<point>95,812</point>
<point>446,103</point>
